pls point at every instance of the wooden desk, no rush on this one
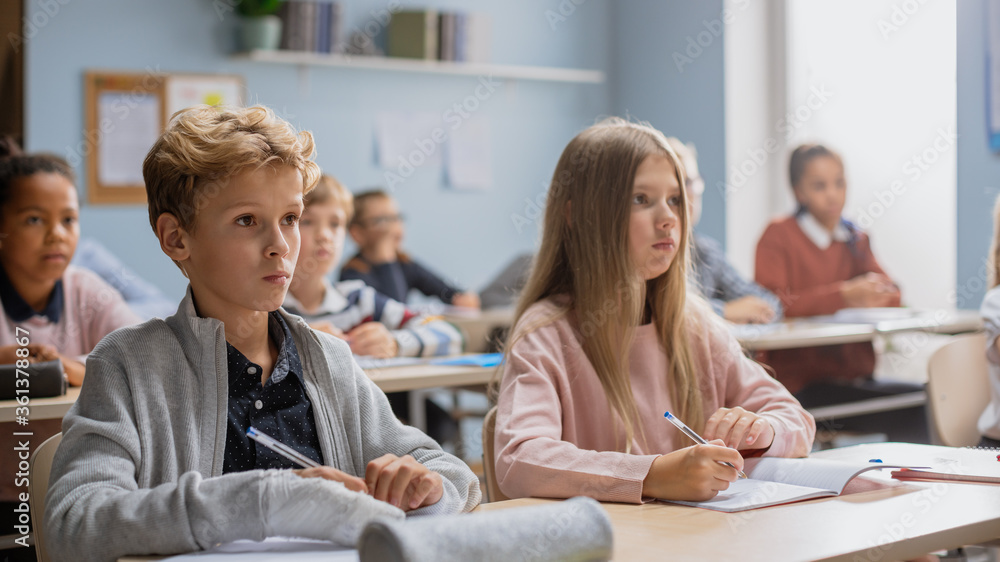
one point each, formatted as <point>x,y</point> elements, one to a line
<point>416,377</point>
<point>799,333</point>
<point>896,523</point>
<point>477,326</point>
<point>826,330</point>
<point>393,379</point>
<point>939,321</point>
<point>889,524</point>
<point>42,408</point>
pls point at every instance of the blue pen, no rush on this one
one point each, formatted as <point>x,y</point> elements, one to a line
<point>695,437</point>
<point>280,448</point>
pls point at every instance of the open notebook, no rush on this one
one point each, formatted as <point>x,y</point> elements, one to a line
<point>774,481</point>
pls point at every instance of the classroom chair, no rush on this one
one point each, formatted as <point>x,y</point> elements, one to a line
<point>38,487</point>
<point>958,389</point>
<point>493,493</point>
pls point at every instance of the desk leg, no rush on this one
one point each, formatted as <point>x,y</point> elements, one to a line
<point>418,410</point>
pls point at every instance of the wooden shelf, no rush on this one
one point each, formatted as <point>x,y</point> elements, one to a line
<point>502,71</point>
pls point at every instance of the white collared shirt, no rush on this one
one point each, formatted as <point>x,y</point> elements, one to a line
<point>333,299</point>
<point>819,234</point>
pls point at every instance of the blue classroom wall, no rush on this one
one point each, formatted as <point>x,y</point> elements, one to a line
<point>668,70</point>
<point>467,236</point>
<point>978,168</point>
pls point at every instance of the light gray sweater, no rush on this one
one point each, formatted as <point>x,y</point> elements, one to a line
<point>139,469</point>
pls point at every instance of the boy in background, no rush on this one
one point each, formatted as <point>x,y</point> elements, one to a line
<point>370,322</point>
<point>377,229</point>
<point>733,297</point>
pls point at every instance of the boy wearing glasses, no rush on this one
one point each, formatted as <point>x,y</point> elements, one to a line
<point>371,323</point>
<point>377,229</point>
<point>733,297</point>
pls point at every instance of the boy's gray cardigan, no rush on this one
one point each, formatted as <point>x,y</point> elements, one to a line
<point>139,469</point>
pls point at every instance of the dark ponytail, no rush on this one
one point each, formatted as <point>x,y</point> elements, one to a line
<point>9,147</point>
<point>22,165</point>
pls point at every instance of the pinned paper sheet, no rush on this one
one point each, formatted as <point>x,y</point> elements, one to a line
<point>135,125</point>
<point>407,141</point>
<point>186,91</point>
<point>470,156</point>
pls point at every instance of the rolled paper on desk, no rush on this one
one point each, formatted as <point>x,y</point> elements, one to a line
<point>575,530</point>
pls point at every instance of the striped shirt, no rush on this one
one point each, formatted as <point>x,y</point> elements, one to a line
<point>349,304</point>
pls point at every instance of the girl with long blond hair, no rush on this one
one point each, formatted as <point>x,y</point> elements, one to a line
<point>606,339</point>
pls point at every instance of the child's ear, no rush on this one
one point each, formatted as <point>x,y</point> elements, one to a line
<point>356,233</point>
<point>796,193</point>
<point>173,238</point>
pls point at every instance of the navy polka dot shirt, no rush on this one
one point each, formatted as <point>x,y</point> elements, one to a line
<point>279,408</point>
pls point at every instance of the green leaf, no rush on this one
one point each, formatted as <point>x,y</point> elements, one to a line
<point>257,8</point>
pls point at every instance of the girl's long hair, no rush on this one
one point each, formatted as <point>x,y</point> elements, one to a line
<point>584,254</point>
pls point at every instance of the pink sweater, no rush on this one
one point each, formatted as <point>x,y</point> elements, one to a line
<point>91,310</point>
<point>554,437</point>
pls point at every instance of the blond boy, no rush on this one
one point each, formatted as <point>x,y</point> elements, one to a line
<point>155,458</point>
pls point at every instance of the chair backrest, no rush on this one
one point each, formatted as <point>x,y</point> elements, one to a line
<point>38,487</point>
<point>958,389</point>
<point>493,492</point>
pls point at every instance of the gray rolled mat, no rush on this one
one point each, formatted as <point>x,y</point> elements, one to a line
<point>576,530</point>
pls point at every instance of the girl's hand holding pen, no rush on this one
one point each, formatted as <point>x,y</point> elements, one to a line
<point>739,429</point>
<point>403,482</point>
<point>693,473</point>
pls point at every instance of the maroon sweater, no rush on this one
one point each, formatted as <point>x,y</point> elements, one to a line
<point>807,279</point>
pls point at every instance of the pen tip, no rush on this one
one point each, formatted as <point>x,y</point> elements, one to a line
<point>667,415</point>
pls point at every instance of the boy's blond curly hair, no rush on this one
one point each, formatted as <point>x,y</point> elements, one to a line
<point>204,146</point>
<point>329,189</point>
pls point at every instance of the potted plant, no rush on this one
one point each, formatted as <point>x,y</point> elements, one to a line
<point>260,28</point>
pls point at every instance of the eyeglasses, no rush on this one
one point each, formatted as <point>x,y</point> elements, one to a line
<point>380,222</point>
<point>695,185</point>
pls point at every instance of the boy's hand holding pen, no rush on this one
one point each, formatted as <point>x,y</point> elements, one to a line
<point>400,481</point>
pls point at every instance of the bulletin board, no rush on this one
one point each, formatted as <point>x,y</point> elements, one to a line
<point>125,114</point>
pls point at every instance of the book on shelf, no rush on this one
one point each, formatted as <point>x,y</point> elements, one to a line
<point>476,37</point>
<point>774,481</point>
<point>322,28</point>
<point>311,26</point>
<point>446,36</point>
<point>413,35</point>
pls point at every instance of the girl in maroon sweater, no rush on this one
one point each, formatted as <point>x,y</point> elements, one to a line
<point>818,263</point>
